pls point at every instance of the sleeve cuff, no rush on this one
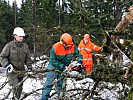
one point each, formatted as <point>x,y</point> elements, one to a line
<point>6,65</point>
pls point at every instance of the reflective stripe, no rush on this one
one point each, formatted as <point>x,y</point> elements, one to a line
<point>81,49</point>
<point>94,47</point>
<point>88,49</point>
<point>88,59</point>
<point>85,49</point>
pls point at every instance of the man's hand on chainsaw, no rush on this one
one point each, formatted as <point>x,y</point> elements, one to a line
<point>78,65</point>
<point>75,66</point>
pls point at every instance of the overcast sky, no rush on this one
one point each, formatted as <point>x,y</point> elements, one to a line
<point>17,1</point>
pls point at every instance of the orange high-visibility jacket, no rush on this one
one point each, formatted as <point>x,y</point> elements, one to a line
<point>86,51</point>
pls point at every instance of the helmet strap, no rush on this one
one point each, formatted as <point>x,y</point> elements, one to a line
<point>62,42</point>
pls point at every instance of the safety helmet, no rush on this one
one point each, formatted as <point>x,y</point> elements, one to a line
<point>67,39</point>
<point>87,36</point>
<point>18,31</point>
<point>130,8</point>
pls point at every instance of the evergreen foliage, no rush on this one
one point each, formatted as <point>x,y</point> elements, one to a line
<point>76,17</point>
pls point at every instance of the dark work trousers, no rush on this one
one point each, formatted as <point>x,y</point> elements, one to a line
<point>15,81</point>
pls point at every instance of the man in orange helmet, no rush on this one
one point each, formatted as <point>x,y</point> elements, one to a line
<point>61,55</point>
<point>86,47</point>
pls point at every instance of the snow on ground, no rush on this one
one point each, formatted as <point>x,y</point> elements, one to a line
<point>87,83</point>
<point>32,84</point>
<point>29,86</point>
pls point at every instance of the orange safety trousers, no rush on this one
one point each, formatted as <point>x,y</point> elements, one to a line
<point>89,68</point>
<point>86,52</point>
<point>88,64</point>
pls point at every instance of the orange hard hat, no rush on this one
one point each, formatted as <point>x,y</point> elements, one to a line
<point>87,36</point>
<point>66,38</point>
<point>130,8</point>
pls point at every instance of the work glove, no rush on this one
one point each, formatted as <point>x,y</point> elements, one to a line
<point>29,71</point>
<point>9,68</point>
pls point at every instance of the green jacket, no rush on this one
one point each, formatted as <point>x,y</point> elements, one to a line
<point>17,54</point>
<point>59,57</point>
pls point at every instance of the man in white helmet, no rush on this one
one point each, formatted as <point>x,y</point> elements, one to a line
<point>13,57</point>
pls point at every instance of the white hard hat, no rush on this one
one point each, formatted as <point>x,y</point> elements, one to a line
<point>18,31</point>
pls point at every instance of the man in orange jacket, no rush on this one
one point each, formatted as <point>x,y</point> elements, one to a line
<point>86,47</point>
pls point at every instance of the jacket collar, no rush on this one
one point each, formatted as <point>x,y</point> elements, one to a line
<point>18,44</point>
